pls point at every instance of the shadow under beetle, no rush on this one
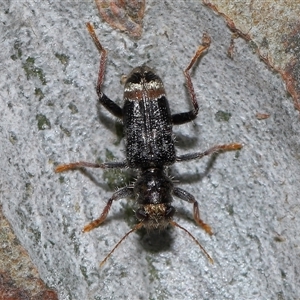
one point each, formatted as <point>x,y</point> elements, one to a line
<point>149,146</point>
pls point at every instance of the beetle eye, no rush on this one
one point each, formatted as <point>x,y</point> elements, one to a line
<point>141,214</point>
<point>170,211</point>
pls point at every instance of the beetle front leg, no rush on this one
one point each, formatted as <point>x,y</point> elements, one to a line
<point>125,192</point>
<point>186,196</point>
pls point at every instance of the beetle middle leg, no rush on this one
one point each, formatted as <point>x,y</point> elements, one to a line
<point>84,164</point>
<point>185,117</point>
<point>215,149</point>
<point>186,196</point>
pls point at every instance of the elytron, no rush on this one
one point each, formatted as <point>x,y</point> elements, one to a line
<point>149,146</point>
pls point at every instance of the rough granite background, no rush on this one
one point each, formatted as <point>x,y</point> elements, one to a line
<point>49,115</point>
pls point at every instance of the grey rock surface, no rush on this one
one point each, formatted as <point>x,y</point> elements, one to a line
<point>49,115</point>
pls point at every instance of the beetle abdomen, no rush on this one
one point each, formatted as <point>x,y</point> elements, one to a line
<point>147,121</point>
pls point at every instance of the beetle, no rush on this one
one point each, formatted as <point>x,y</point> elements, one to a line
<point>150,148</point>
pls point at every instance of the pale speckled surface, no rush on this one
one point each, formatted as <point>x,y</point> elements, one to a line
<point>251,201</point>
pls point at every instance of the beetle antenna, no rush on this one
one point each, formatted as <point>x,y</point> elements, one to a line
<point>136,227</point>
<point>173,223</point>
